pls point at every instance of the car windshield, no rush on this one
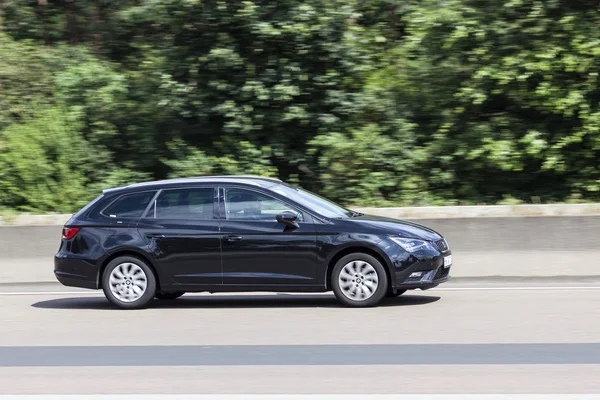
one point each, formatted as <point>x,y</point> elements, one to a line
<point>314,202</point>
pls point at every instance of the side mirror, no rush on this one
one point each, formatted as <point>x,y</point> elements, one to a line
<point>289,218</point>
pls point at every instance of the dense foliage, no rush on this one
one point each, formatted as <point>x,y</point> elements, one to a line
<point>369,102</point>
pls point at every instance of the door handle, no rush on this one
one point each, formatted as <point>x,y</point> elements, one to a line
<point>155,236</point>
<point>232,238</point>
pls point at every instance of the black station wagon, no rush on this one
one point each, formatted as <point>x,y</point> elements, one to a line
<point>242,234</point>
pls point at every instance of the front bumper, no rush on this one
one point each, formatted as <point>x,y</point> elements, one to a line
<point>421,270</point>
<point>427,280</point>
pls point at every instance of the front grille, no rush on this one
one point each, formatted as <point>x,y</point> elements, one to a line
<point>441,245</point>
<point>441,273</point>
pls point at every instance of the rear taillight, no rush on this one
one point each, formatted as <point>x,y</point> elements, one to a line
<point>69,233</point>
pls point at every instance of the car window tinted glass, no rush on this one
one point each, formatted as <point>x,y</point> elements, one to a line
<point>185,204</point>
<point>130,205</point>
<point>87,208</point>
<point>248,205</point>
<point>313,201</point>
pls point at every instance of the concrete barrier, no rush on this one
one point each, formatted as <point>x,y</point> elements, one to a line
<point>555,240</point>
<point>27,253</point>
<point>487,241</point>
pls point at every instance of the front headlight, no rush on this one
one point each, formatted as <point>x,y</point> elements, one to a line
<point>412,245</point>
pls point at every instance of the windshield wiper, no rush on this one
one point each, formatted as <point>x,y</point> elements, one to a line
<point>356,214</point>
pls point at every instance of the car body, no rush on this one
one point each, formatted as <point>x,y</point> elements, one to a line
<point>242,233</point>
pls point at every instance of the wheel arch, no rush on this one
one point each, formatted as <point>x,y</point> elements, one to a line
<point>358,248</point>
<point>128,253</point>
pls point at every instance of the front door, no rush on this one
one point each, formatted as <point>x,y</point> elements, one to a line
<point>258,250</point>
<point>183,234</point>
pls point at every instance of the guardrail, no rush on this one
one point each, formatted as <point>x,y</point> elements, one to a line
<point>503,211</point>
<point>487,241</point>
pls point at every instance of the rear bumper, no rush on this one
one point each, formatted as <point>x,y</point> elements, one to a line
<point>76,272</point>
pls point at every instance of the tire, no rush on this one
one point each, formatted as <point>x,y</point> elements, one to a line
<point>398,293</point>
<point>361,266</point>
<point>121,291</point>
<point>169,295</point>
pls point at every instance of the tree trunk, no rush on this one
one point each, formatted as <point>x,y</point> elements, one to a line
<point>43,4</point>
<point>1,16</point>
<point>72,22</point>
<point>98,21</point>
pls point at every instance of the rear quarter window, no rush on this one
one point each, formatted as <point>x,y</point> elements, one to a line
<point>129,205</point>
<point>87,209</point>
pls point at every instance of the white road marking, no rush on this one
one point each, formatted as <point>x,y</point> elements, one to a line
<point>515,288</point>
<point>451,289</point>
<point>48,294</point>
<point>312,397</point>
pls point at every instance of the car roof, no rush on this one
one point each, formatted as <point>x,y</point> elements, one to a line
<point>260,181</point>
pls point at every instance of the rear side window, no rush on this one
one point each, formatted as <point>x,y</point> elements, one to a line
<point>195,203</point>
<point>130,205</point>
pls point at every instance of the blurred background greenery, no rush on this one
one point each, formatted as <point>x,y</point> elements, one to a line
<point>368,102</point>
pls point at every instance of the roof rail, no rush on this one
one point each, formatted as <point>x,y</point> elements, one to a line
<point>264,178</point>
<point>194,178</point>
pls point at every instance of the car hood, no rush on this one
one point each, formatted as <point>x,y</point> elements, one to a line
<point>399,227</point>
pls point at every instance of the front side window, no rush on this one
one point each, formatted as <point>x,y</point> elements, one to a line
<point>312,201</point>
<point>247,205</point>
<point>195,203</point>
<point>129,206</point>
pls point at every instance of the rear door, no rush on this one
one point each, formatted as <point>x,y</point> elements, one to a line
<point>183,234</point>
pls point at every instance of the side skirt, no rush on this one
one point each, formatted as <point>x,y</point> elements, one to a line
<point>246,288</point>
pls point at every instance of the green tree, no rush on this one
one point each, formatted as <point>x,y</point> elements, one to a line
<point>373,102</point>
<point>505,96</point>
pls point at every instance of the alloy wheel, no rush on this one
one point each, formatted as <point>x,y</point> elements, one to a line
<point>128,282</point>
<point>358,280</point>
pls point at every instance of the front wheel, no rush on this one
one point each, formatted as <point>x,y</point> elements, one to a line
<point>169,295</point>
<point>128,283</point>
<point>359,280</point>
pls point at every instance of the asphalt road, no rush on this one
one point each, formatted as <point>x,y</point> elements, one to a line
<point>465,338</point>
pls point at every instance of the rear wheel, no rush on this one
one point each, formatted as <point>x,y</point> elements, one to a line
<point>169,295</point>
<point>129,283</point>
<point>359,280</point>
